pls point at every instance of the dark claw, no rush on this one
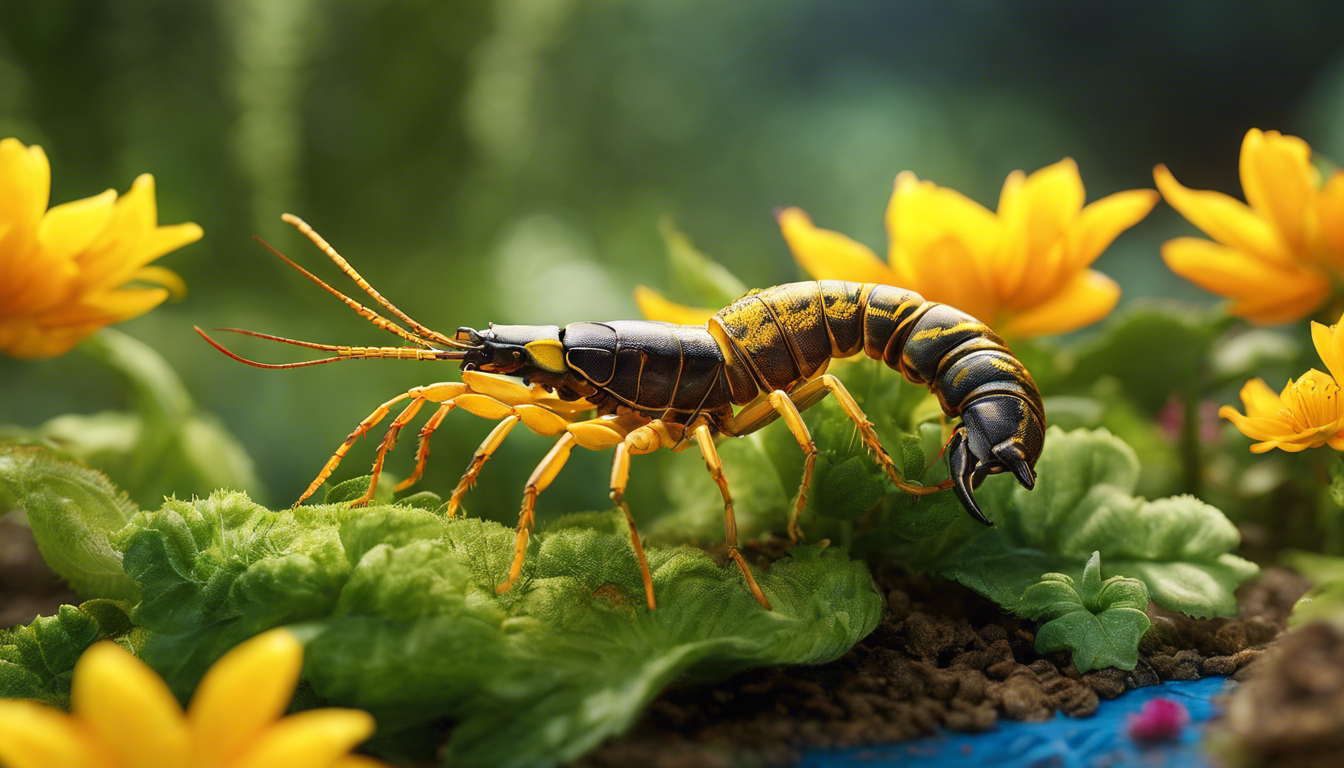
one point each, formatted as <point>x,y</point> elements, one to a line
<point>1009,453</point>
<point>965,475</point>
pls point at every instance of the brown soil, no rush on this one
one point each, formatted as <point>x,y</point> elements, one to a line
<point>28,588</point>
<point>943,657</point>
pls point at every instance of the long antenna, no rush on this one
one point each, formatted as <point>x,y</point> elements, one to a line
<point>364,312</point>
<point>350,272</point>
<point>342,352</point>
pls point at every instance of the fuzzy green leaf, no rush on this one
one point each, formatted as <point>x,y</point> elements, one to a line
<point>73,512</point>
<point>37,661</point>
<point>1325,600</point>
<point>1100,622</point>
<point>401,617</point>
<point>1179,547</point>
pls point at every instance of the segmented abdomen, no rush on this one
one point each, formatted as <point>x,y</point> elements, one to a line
<point>779,337</point>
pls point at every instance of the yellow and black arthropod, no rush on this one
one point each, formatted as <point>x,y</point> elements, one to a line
<point>639,385</point>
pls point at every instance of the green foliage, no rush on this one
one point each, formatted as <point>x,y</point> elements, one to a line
<point>697,274</point>
<point>165,445</point>
<point>399,610</point>
<point>1179,547</point>
<point>73,511</point>
<point>36,661</point>
<point>1101,622</point>
<point>1325,600</point>
<point>1153,349</point>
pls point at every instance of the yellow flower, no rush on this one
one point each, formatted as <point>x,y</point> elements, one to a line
<point>64,271</point>
<point>1024,269</point>
<point>1276,257</point>
<point>1308,412</point>
<point>123,716</point>
<point>1305,415</point>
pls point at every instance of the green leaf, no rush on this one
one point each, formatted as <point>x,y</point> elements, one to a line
<point>1325,600</point>
<point>400,613</point>
<point>1179,547</point>
<point>37,661</point>
<point>73,512</point>
<point>1101,623</point>
<point>1151,348</point>
<point>707,280</point>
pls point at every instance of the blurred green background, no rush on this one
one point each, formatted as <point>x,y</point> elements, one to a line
<point>508,161</point>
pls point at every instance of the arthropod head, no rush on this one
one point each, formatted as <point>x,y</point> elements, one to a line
<point>530,351</point>
<point>999,433</point>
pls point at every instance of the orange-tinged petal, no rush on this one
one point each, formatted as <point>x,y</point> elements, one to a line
<point>129,708</point>
<point>1329,343</point>
<point>654,306</point>
<point>163,277</point>
<point>1086,298</point>
<point>827,255</point>
<point>1265,290</point>
<point>924,219</point>
<point>25,188</point>
<point>70,228</point>
<point>1103,220</point>
<point>312,739</point>
<point>1054,196</point>
<point>1261,402</point>
<point>1223,218</point>
<point>245,691</point>
<point>1330,211</point>
<point>34,736</point>
<point>1280,183</point>
<point>943,277</point>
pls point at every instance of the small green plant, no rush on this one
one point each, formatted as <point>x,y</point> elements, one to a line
<point>1101,622</point>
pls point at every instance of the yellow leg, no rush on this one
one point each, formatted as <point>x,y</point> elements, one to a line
<point>620,476</point>
<point>819,387</point>
<point>705,439</point>
<point>422,449</point>
<point>385,445</point>
<point>485,451</point>
<point>368,423</point>
<point>538,482</point>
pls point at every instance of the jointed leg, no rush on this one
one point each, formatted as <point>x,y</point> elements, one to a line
<point>815,390</point>
<point>620,475</point>
<point>705,439</point>
<point>368,423</point>
<point>385,445</point>
<point>538,482</point>
<point>485,451</point>
<point>422,449</point>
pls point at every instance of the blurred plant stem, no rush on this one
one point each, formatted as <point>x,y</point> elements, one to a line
<point>1189,440</point>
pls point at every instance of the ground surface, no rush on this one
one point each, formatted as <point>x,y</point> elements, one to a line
<point>943,657</point>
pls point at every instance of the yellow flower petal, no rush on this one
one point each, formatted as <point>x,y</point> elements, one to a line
<point>923,218</point>
<point>827,255</point>
<point>1329,343</point>
<point>1086,298</point>
<point>1260,401</point>
<point>1226,220</point>
<point>25,187</point>
<point>1102,221</point>
<point>1330,211</point>
<point>1280,183</point>
<point>312,739</point>
<point>129,708</point>
<point>1054,196</point>
<point>70,228</point>
<point>1267,293</point>
<point>162,276</point>
<point>655,307</point>
<point>246,690</point>
<point>34,736</point>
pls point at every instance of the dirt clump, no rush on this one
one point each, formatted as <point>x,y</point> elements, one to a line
<point>942,658</point>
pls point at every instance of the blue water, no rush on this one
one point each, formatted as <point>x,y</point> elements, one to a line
<point>1100,741</point>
